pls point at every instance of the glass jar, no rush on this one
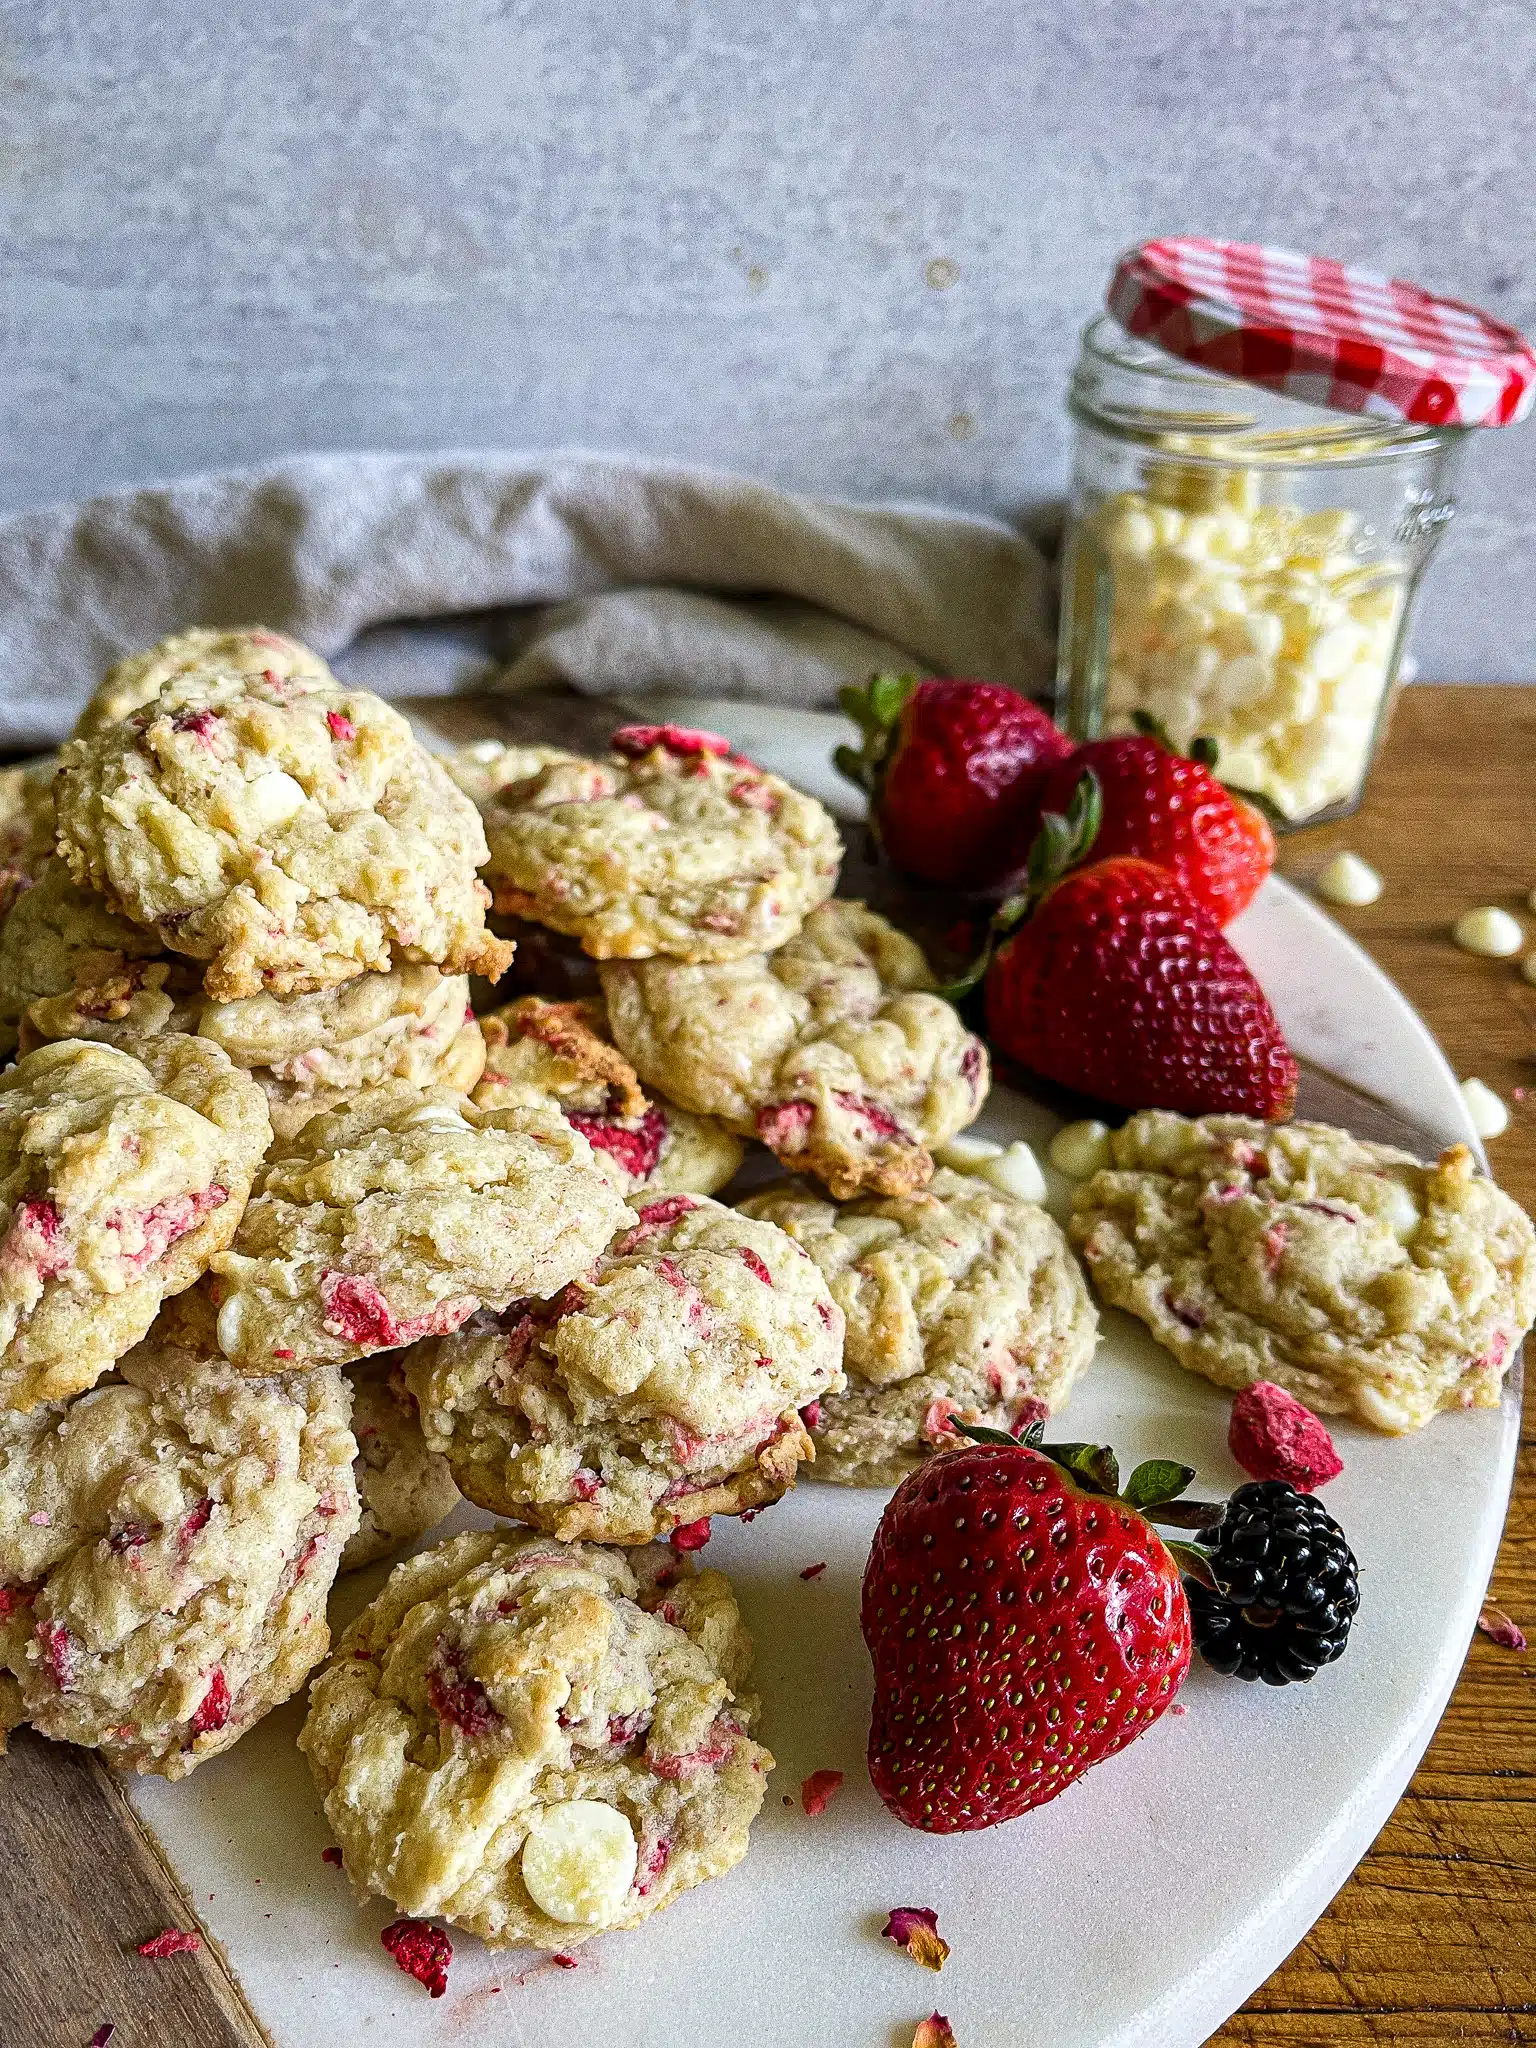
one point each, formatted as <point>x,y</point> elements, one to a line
<point>1241,565</point>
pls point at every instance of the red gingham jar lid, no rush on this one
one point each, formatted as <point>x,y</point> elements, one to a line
<point>1329,333</point>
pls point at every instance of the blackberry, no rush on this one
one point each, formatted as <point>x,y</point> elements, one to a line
<point>1289,1587</point>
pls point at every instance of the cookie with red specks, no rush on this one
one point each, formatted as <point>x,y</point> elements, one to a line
<point>960,1301</point>
<point>404,1488</point>
<point>289,842</point>
<point>540,1051</point>
<point>138,679</point>
<point>120,1178</point>
<point>834,1050</point>
<point>1358,1279</point>
<point>397,1218</point>
<point>673,845</point>
<point>665,1386</point>
<point>167,1543</point>
<point>536,1741</point>
<point>26,825</point>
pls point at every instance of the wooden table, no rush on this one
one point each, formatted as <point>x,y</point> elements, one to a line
<point>1434,1938</point>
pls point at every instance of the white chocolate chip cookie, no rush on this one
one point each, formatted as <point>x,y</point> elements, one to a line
<point>88,972</point>
<point>167,1543</point>
<point>138,679</point>
<point>1361,1281</point>
<point>501,1681</point>
<point>833,1050</point>
<point>960,1301</point>
<point>665,1387</point>
<point>538,1051</point>
<point>120,1178</point>
<point>404,1488</point>
<point>674,845</point>
<point>26,825</point>
<point>397,1218</point>
<point>289,842</point>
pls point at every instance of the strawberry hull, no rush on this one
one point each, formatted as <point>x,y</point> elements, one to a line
<point>1021,1631</point>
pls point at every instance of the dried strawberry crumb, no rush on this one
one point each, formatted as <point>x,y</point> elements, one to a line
<point>690,1535</point>
<point>1498,1627</point>
<point>102,2035</point>
<point>356,1310</point>
<point>873,1113</point>
<point>341,726</point>
<point>635,740</point>
<point>331,1855</point>
<point>563,1961</point>
<point>456,1697</point>
<point>810,1415</point>
<point>173,1942</point>
<point>60,1651</point>
<point>824,1310</point>
<point>813,1571</point>
<point>12,1597</point>
<point>635,1144</point>
<point>585,1485</point>
<point>196,1519</point>
<point>754,1264</point>
<point>1029,1411</point>
<point>1273,1436</point>
<point>783,1126</point>
<point>213,1709</point>
<point>819,1790</point>
<point>423,1952</point>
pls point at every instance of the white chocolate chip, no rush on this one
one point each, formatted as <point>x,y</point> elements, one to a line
<point>1350,880</point>
<point>1398,1210</point>
<point>227,1329</point>
<point>275,797</point>
<point>1489,1112</point>
<point>1081,1148</point>
<point>483,750</point>
<point>964,1154</point>
<point>1489,931</point>
<point>579,1862</point>
<point>1374,1407</point>
<point>436,1116</point>
<point>1016,1172</point>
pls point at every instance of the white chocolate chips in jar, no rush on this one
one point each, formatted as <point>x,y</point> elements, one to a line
<point>1253,624</point>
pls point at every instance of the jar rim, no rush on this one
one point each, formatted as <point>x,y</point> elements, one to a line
<point>1330,436</point>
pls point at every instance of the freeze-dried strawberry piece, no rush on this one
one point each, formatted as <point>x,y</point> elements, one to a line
<point>653,1217</point>
<point>457,1697</point>
<point>34,1236</point>
<point>813,1571</point>
<point>196,1519</point>
<point>341,726</point>
<point>562,1961</point>
<point>1498,1627</point>
<point>356,1310</point>
<point>102,2035</point>
<point>754,1264</point>
<point>783,1126</point>
<point>718,1748</point>
<point>635,740</point>
<point>690,1535</point>
<point>819,1790</point>
<point>12,1597</point>
<point>61,1653</point>
<point>585,1485</point>
<point>873,1113</point>
<point>636,1146</point>
<point>1273,1436</point>
<point>331,1855</point>
<point>916,1929</point>
<point>934,2032</point>
<point>173,1942</point>
<point>810,1414</point>
<point>423,1952</point>
<point>213,1708</point>
<point>167,1221</point>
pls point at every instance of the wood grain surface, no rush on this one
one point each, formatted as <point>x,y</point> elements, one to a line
<point>1434,1938</point>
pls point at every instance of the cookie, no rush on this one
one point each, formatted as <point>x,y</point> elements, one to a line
<point>674,845</point>
<point>502,1687</point>
<point>1361,1281</point>
<point>138,679</point>
<point>120,1178</point>
<point>91,973</point>
<point>833,1051</point>
<point>167,1543</point>
<point>404,1488</point>
<point>959,1301</point>
<point>563,1053</point>
<point>665,1386</point>
<point>290,843</point>
<point>397,1218</point>
<point>26,825</point>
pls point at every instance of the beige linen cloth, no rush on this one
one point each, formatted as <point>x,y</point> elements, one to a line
<point>423,574</point>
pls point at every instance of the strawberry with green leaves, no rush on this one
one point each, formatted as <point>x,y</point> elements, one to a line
<point>1025,1622</point>
<point>954,771</point>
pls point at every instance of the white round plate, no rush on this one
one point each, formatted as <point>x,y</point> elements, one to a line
<point>1137,1911</point>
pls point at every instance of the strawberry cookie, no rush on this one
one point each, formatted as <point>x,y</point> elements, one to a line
<point>138,679</point>
<point>89,972</point>
<point>960,1301</point>
<point>397,1218</point>
<point>543,1052</point>
<point>667,1385</point>
<point>120,1178</point>
<point>834,1050</point>
<point>290,842</point>
<point>26,825</point>
<point>404,1488</point>
<point>167,1543</point>
<point>539,1742</point>
<point>1357,1279</point>
<point>674,845</point>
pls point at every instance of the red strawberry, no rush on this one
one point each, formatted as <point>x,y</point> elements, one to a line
<point>1121,986</point>
<point>954,770</point>
<point>1171,810</point>
<point>1024,1621</point>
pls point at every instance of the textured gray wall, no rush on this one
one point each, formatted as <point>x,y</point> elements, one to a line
<point>844,244</point>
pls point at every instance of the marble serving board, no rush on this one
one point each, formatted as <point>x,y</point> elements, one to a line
<point>1139,1909</point>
